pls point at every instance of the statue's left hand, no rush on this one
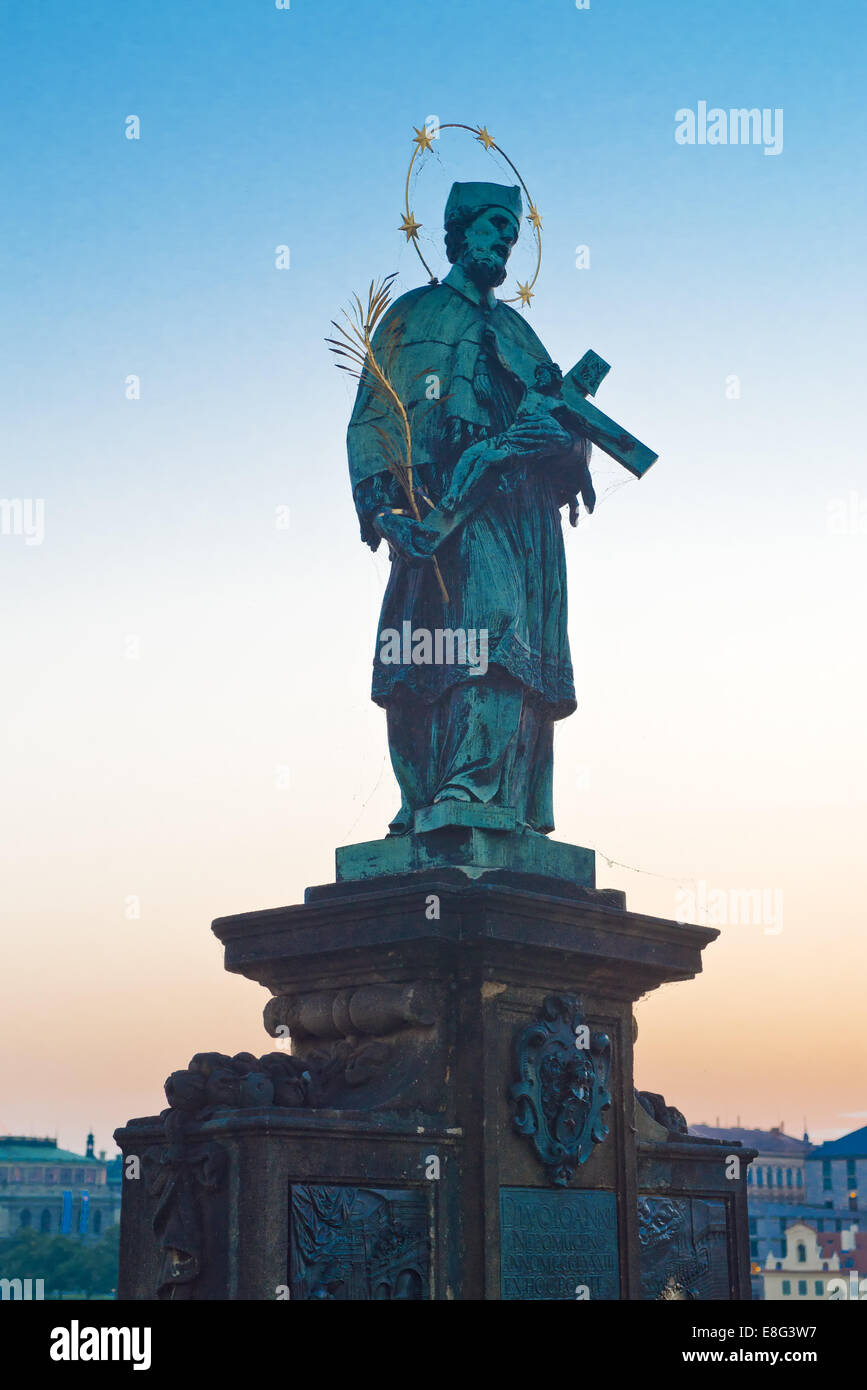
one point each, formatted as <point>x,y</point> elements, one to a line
<point>538,436</point>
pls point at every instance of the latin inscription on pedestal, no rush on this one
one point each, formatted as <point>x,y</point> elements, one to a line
<point>555,1245</point>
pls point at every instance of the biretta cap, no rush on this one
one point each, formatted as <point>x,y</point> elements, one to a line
<point>474,197</point>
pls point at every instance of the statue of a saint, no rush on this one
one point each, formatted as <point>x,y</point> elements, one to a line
<point>480,393</point>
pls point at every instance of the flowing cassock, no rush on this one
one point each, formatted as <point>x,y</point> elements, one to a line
<point>484,737</point>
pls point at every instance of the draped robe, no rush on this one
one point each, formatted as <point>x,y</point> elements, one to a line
<point>484,738</point>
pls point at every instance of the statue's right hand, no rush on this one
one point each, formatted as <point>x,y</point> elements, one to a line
<point>404,535</point>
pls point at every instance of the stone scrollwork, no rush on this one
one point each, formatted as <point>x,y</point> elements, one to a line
<point>563,1069</point>
<point>359,1011</point>
<point>668,1116</point>
<point>187,1173</point>
<point>214,1081</point>
<point>350,1040</point>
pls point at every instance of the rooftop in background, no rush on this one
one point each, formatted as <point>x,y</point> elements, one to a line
<point>852,1145</point>
<point>767,1141</point>
<point>19,1148</point>
<point>831,1243</point>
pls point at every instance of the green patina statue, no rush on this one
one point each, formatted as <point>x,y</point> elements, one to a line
<point>473,684</point>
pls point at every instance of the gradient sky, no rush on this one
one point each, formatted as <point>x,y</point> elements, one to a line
<point>717,607</point>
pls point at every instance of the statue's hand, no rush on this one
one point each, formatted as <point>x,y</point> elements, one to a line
<point>405,536</point>
<point>537,436</point>
<point>469,470</point>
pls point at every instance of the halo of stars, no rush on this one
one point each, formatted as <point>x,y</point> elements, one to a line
<point>423,141</point>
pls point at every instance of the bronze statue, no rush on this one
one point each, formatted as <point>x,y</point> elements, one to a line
<point>500,443</point>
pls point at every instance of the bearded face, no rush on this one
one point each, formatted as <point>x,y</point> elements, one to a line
<point>488,242</point>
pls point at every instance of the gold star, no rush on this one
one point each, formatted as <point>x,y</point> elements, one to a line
<point>534,217</point>
<point>410,226</point>
<point>486,139</point>
<point>422,139</point>
<point>525,294</point>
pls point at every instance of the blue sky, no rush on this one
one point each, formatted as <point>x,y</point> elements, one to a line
<point>717,620</point>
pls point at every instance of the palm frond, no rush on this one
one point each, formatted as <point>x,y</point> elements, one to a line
<point>374,370</point>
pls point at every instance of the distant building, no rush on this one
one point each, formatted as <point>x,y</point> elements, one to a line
<point>837,1174</point>
<point>778,1173</point>
<point>56,1192</point>
<point>816,1266</point>
<point>785,1184</point>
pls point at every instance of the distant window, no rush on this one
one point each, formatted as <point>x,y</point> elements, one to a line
<point>90,1175</point>
<point>749,1176</point>
<point>824,1264</point>
<point>97,1222</point>
<point>819,1286</point>
<point>799,1178</point>
<point>802,1253</point>
<point>838,1224</point>
<point>753,1225</point>
<point>754,1248</point>
<point>820,1224</point>
<point>34,1175</point>
<point>847,1264</point>
<point>779,1177</point>
<point>826,1175</point>
<point>51,1175</point>
<point>802,1288</point>
<point>66,1175</point>
<point>761,1176</point>
<point>787,1287</point>
<point>788,1177</point>
<point>45,1222</point>
<point>25,1218</point>
<point>782,1225</point>
<point>853,1202</point>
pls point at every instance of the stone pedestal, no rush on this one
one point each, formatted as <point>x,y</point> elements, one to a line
<point>450,1113</point>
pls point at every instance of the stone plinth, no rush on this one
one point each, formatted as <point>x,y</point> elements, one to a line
<point>456,1118</point>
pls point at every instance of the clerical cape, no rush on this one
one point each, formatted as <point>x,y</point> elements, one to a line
<point>461,363</point>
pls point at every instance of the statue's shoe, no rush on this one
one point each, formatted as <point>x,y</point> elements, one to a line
<point>402,823</point>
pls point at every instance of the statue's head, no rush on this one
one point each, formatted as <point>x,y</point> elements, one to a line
<point>482,221</point>
<point>548,378</point>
